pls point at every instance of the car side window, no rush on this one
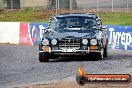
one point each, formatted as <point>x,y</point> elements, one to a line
<point>90,23</point>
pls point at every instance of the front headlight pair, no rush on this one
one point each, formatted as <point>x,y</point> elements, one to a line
<point>92,42</point>
<point>46,42</point>
<point>54,42</point>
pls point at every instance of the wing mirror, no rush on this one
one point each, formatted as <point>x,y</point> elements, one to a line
<point>46,30</point>
<point>104,29</point>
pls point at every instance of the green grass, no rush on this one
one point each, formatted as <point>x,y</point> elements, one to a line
<point>28,15</point>
<point>25,16</point>
<point>116,18</point>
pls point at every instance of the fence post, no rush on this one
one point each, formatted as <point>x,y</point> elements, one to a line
<point>33,4</point>
<point>1,4</point>
<point>84,7</point>
<point>11,5</point>
<point>45,3</point>
<point>56,6</point>
<point>127,5</point>
<point>112,5</point>
<point>97,5</point>
<point>22,4</point>
<point>70,6</point>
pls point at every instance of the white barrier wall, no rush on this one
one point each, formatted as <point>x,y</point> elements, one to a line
<point>120,37</point>
<point>9,32</point>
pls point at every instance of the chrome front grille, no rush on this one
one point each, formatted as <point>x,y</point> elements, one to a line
<point>69,43</point>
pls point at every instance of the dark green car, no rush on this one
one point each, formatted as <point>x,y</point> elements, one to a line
<point>73,34</point>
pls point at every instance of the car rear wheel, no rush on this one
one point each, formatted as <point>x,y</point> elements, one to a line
<point>105,52</point>
<point>43,57</point>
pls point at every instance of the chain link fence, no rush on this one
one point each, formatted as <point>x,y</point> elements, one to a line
<point>85,5</point>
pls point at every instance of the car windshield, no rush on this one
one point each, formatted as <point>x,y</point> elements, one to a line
<point>73,23</point>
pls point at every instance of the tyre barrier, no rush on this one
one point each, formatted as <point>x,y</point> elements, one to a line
<point>24,33</point>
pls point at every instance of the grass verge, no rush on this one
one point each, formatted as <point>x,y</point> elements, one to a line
<point>28,15</point>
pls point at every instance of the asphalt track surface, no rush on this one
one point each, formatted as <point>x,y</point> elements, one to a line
<point>19,65</point>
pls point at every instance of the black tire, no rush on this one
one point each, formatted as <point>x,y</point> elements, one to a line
<point>105,52</point>
<point>100,56</point>
<point>43,57</point>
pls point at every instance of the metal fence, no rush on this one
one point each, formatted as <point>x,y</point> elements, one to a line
<point>85,5</point>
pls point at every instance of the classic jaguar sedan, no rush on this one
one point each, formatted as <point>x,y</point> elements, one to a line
<point>73,34</point>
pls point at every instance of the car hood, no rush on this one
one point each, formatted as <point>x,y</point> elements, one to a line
<point>90,33</point>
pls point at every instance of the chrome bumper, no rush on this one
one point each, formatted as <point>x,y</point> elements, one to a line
<point>71,51</point>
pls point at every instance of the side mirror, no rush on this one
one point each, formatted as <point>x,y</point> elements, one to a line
<point>104,29</point>
<point>49,30</point>
<point>46,30</point>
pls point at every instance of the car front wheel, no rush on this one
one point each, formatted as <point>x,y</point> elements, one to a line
<point>43,57</point>
<point>100,55</point>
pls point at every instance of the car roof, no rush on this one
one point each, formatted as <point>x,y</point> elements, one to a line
<point>76,14</point>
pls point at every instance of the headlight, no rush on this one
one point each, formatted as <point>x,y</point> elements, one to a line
<point>84,41</point>
<point>54,42</point>
<point>45,41</point>
<point>93,41</point>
